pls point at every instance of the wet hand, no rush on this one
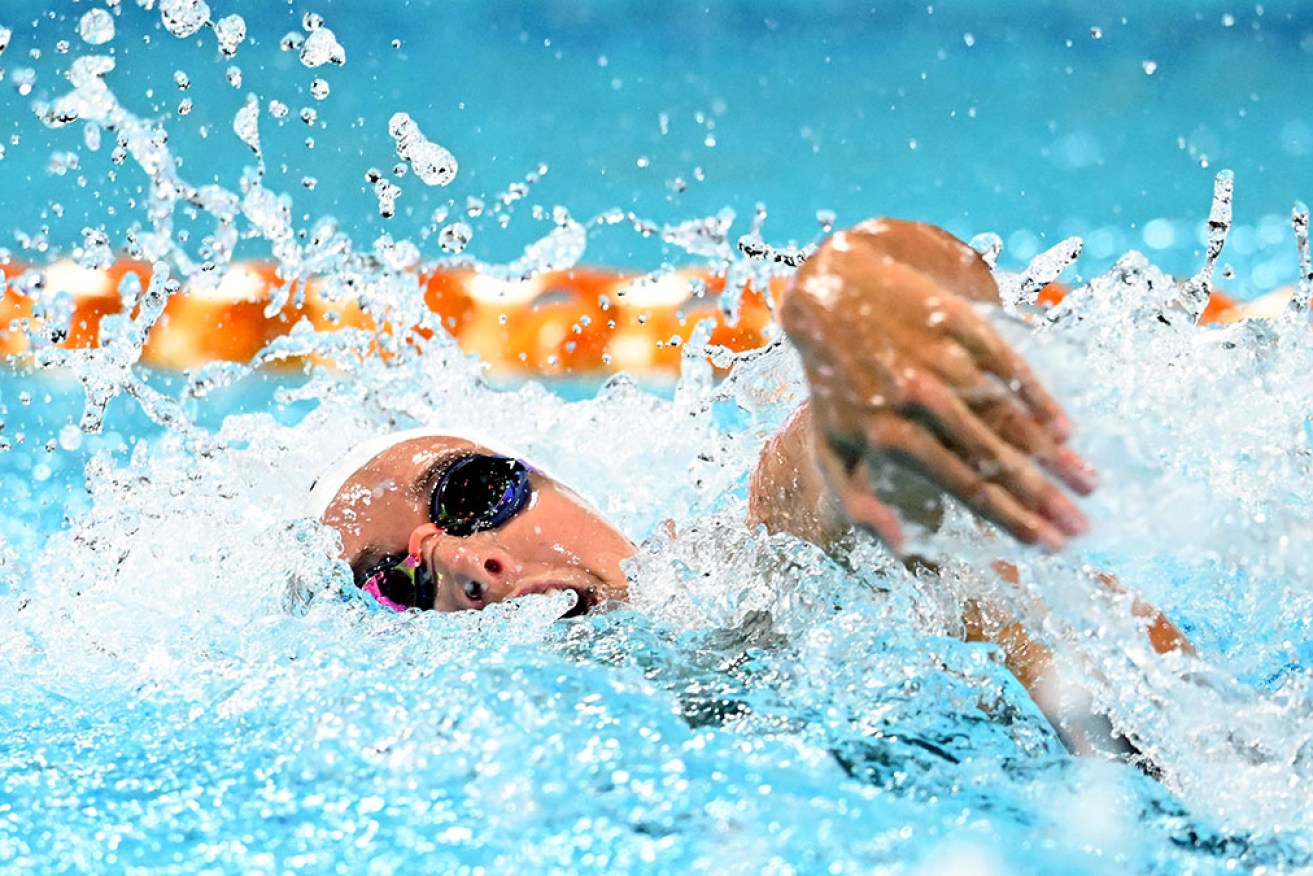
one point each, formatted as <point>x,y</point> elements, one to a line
<point>906,376</point>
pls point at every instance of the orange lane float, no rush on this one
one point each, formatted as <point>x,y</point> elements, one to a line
<point>585,321</point>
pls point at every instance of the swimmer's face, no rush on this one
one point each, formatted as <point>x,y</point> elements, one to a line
<point>555,542</point>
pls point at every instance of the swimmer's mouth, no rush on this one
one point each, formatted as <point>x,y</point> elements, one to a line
<point>585,597</point>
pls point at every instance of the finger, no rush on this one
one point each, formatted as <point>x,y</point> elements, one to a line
<point>992,457</point>
<point>1021,431</point>
<point>912,444</point>
<point>1002,415</point>
<point>995,356</point>
<point>851,489</point>
<point>1005,417</point>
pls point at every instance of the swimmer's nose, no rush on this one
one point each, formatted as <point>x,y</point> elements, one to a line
<point>483,573</point>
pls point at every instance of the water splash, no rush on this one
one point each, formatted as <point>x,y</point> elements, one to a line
<point>1299,300</point>
<point>1195,291</point>
<point>1021,291</point>
<point>203,660</point>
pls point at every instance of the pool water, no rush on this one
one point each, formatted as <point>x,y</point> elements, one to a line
<point>194,684</point>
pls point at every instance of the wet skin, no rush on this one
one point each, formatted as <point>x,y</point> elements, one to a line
<point>906,377</point>
<point>557,542</point>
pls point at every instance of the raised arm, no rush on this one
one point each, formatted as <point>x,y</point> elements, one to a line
<point>912,396</point>
<point>908,379</point>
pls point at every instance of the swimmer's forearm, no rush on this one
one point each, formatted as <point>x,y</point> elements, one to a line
<point>787,491</point>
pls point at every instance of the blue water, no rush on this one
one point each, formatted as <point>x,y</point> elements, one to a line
<point>192,683</point>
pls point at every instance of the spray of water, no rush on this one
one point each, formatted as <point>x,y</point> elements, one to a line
<point>189,659</point>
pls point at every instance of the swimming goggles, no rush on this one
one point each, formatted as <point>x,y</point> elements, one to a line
<point>476,493</point>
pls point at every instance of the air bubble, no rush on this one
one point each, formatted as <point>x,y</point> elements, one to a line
<point>234,75</point>
<point>309,116</point>
<point>319,89</point>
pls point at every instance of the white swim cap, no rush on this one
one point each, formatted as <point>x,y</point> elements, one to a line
<point>327,485</point>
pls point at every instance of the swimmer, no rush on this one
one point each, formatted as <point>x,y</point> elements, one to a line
<point>912,395</point>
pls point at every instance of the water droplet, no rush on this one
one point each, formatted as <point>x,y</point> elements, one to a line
<point>431,162</point>
<point>320,48</point>
<point>183,18</point>
<point>454,237</point>
<point>70,437</point>
<point>230,31</point>
<point>246,123</point>
<point>96,27</point>
<point>23,79</point>
<point>387,195</point>
<point>95,252</point>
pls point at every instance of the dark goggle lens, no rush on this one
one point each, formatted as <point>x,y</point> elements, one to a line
<point>480,492</point>
<point>396,585</point>
<point>407,586</point>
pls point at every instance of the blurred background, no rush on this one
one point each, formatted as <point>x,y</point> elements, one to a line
<point>1033,120</point>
